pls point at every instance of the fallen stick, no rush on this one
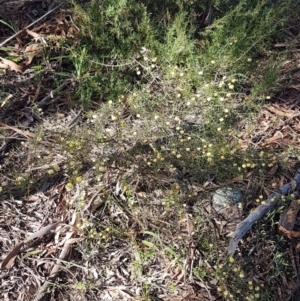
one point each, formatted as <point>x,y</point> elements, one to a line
<point>17,130</point>
<point>261,210</point>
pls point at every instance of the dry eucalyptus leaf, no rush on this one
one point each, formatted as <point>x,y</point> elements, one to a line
<point>287,220</point>
<point>31,52</point>
<point>8,262</point>
<point>33,34</point>
<point>10,65</point>
<point>10,258</point>
<point>281,112</point>
<point>277,136</point>
<point>289,233</point>
<point>273,170</point>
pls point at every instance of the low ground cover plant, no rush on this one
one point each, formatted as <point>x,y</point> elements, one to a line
<point>165,104</point>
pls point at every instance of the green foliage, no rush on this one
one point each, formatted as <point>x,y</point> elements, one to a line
<point>116,28</point>
<point>187,88</point>
<point>177,95</point>
<point>165,97</point>
<point>245,31</point>
<point>113,34</point>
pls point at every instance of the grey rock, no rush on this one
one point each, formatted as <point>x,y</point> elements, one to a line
<point>227,202</point>
<point>226,197</point>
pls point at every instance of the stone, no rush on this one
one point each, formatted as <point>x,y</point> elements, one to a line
<point>227,203</point>
<point>226,196</point>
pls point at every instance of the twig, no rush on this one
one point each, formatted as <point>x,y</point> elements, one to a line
<point>44,101</point>
<point>54,272</point>
<point>17,130</point>
<point>74,120</point>
<point>15,135</point>
<point>36,21</point>
<point>260,211</point>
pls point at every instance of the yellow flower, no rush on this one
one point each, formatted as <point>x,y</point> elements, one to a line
<point>69,185</point>
<point>231,259</point>
<point>78,179</point>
